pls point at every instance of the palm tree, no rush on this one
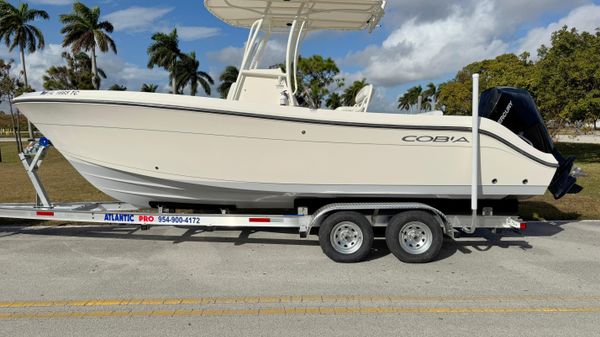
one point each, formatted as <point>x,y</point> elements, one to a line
<point>227,78</point>
<point>410,98</point>
<point>77,74</point>
<point>149,88</point>
<point>164,52</point>
<point>430,96</point>
<point>334,101</point>
<point>404,102</point>
<point>17,32</point>
<point>83,30</point>
<point>83,62</point>
<point>188,72</point>
<point>349,96</point>
<point>117,87</point>
<point>413,95</point>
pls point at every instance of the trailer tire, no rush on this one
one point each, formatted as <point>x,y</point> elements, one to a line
<point>414,237</point>
<point>346,237</point>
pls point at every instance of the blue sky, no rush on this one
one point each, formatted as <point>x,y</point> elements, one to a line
<point>418,42</point>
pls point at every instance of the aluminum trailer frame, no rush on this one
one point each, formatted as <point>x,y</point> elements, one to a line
<point>122,213</point>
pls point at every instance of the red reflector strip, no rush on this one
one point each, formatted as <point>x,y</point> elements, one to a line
<point>260,220</point>
<point>523,226</point>
<point>40,213</point>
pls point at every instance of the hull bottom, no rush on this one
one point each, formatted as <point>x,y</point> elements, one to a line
<point>146,192</point>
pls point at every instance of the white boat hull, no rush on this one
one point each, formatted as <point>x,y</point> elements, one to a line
<point>148,149</point>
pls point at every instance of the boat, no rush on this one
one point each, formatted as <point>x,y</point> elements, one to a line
<point>261,148</point>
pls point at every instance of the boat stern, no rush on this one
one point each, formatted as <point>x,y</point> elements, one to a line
<point>516,110</point>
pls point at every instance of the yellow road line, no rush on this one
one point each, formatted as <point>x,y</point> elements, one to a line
<point>293,311</point>
<point>290,299</point>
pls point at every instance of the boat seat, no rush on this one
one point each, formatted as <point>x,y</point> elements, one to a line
<point>259,86</point>
<point>231,92</point>
<point>363,98</point>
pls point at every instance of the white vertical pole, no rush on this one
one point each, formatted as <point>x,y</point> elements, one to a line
<point>420,104</point>
<point>475,150</point>
<point>295,57</point>
<point>250,47</point>
<point>289,56</point>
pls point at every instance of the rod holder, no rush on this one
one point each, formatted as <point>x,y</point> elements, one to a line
<point>475,150</point>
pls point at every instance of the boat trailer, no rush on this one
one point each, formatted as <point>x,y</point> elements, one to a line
<point>414,230</point>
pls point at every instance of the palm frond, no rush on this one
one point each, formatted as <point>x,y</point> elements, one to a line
<point>106,26</point>
<point>205,85</point>
<point>39,36</point>
<point>36,13</point>
<point>206,76</point>
<point>111,43</point>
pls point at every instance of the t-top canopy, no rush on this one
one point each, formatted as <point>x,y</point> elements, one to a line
<point>319,14</point>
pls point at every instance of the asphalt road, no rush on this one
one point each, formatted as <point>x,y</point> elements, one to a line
<point>119,281</point>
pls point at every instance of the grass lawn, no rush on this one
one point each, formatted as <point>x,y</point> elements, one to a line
<point>585,205</point>
<point>64,184</point>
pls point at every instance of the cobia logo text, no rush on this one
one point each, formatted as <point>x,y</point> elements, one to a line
<point>434,139</point>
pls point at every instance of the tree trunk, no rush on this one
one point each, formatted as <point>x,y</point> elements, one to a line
<point>24,69</point>
<point>94,70</point>
<point>174,81</point>
<point>29,126</point>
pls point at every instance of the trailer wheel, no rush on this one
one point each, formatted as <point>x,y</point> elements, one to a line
<point>414,237</point>
<point>346,237</point>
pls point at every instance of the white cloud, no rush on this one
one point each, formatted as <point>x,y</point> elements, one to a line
<point>584,18</point>
<point>417,51</point>
<point>192,33</point>
<point>130,75</point>
<point>117,70</point>
<point>430,39</point>
<point>136,19</point>
<point>274,54</point>
<point>380,102</point>
<point>38,62</point>
<point>227,56</point>
<point>4,53</point>
<point>510,12</point>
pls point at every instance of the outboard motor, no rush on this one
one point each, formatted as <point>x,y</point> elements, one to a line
<point>515,109</point>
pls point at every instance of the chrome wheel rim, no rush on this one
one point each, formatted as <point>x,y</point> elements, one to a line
<point>415,237</point>
<point>346,237</point>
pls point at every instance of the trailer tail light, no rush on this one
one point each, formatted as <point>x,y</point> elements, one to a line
<point>523,226</point>
<point>41,213</point>
<point>260,220</point>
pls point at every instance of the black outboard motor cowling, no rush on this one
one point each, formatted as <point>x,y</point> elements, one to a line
<point>515,109</point>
